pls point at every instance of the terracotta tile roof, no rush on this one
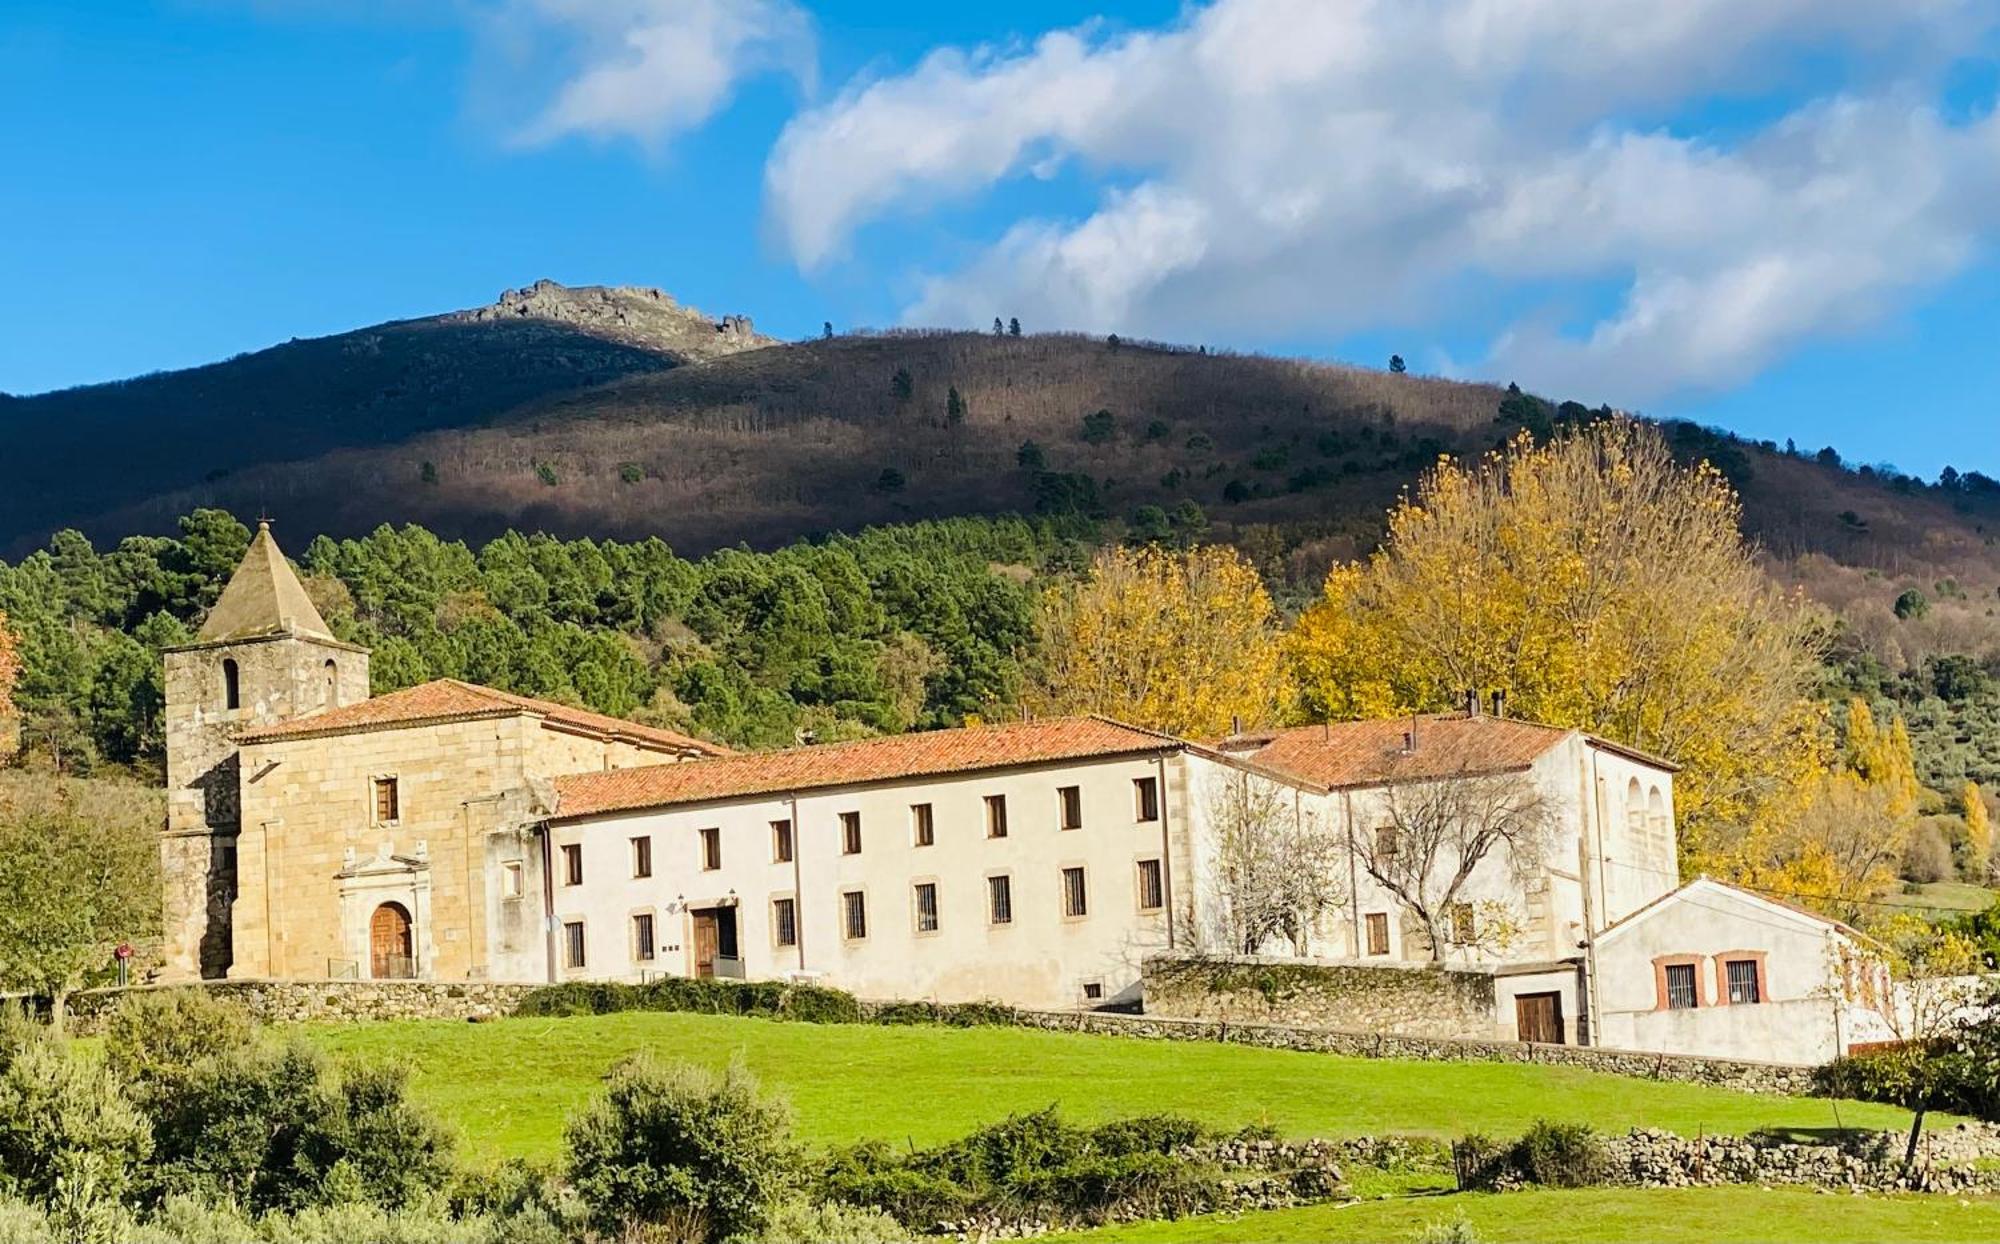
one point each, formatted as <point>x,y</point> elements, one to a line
<point>927,754</point>
<point>447,699</point>
<point>1367,753</point>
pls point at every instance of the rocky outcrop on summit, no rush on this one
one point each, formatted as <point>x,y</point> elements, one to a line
<point>635,315</point>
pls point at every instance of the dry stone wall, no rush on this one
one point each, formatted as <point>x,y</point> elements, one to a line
<point>302,1002</point>
<point>1412,1001</point>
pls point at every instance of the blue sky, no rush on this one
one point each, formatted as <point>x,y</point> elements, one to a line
<point>1773,215</point>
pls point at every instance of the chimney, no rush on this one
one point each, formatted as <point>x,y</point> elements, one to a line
<point>1409,741</point>
<point>1472,702</point>
<point>1499,703</point>
<point>1235,726</point>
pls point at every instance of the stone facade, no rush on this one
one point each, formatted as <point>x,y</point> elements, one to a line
<point>1402,999</point>
<point>304,1002</point>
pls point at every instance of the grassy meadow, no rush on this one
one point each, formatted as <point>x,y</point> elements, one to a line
<point>508,1086</point>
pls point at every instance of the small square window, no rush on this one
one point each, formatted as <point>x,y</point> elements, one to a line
<point>781,842</point>
<point>854,914</point>
<point>642,937</point>
<point>1000,900</point>
<point>1378,933</point>
<point>785,921</point>
<point>642,857</point>
<point>388,801</point>
<point>996,816</point>
<point>1076,897</point>
<point>573,944</point>
<point>923,830</point>
<point>1146,799</point>
<point>711,849</point>
<point>1152,886</point>
<point>850,833</point>
<point>572,853</point>
<point>1069,803</point>
<point>1093,991</point>
<point>510,879</point>
<point>927,907</point>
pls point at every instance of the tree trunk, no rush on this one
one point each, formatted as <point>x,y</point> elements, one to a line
<point>1916,1135</point>
<point>58,1003</point>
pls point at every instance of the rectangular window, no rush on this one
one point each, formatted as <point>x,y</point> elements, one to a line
<point>1000,900</point>
<point>642,937</point>
<point>1152,886</point>
<point>850,833</point>
<point>1146,798</point>
<point>927,911</point>
<point>781,842</point>
<point>1069,802</point>
<point>923,830</point>
<point>785,921</point>
<point>1460,916</point>
<point>711,849</point>
<point>1076,899</point>
<point>854,912</point>
<point>1093,991</point>
<point>1378,933</point>
<point>725,933</point>
<point>573,943</point>
<point>642,857</point>
<point>996,816</point>
<point>510,879</point>
<point>1385,843</point>
<point>1680,987</point>
<point>573,863</point>
<point>1743,986</point>
<point>388,801</point>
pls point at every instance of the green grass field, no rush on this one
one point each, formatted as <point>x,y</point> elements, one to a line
<point>1731,1215</point>
<point>1943,898</point>
<point>508,1086</point>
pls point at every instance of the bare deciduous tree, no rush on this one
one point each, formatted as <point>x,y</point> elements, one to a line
<point>1435,834</point>
<point>1280,867</point>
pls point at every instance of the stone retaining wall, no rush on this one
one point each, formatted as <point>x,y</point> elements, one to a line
<point>298,1002</point>
<point>1872,1161</point>
<point>1414,1000</point>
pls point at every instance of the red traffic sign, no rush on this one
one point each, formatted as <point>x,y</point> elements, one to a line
<point>124,951</point>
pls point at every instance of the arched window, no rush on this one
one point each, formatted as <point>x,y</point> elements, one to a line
<point>332,689</point>
<point>232,685</point>
<point>1656,814</point>
<point>1635,812</point>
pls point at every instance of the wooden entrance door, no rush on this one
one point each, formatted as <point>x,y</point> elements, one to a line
<point>390,949</point>
<point>1538,1017</point>
<point>705,940</point>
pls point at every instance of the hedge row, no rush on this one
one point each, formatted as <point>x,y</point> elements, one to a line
<point>808,1004</point>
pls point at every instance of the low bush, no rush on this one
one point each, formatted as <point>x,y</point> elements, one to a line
<point>68,1136</point>
<point>155,1040</point>
<point>682,1146</point>
<point>1033,1165</point>
<point>799,1221</point>
<point>1555,1155</point>
<point>807,1004</point>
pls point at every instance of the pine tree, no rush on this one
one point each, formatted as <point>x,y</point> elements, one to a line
<point>954,408</point>
<point>1013,327</point>
<point>1397,365</point>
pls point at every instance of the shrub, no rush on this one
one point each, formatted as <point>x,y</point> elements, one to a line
<point>685,1145</point>
<point>156,1039</point>
<point>1560,1155</point>
<point>1927,855</point>
<point>1458,1230</point>
<point>546,472</point>
<point>890,480</point>
<point>631,472</point>
<point>1478,1162</point>
<point>796,1221</point>
<point>1099,427</point>
<point>282,1127</point>
<point>66,1131</point>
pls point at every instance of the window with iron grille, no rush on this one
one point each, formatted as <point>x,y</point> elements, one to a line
<point>996,816</point>
<point>785,921</point>
<point>927,907</point>
<point>711,849</point>
<point>1680,986</point>
<point>1743,983</point>
<point>1152,886</point>
<point>850,833</point>
<point>1069,800</point>
<point>1146,798</point>
<point>781,842</point>
<point>1000,900</point>
<point>854,908</point>
<point>572,863</point>
<point>1076,900</point>
<point>1378,933</point>
<point>642,857</point>
<point>923,831</point>
<point>642,937</point>
<point>573,944</point>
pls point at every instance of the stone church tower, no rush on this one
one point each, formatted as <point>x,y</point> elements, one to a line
<point>264,656</point>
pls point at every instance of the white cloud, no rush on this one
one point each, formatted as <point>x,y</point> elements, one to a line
<point>1277,168</point>
<point>651,69</point>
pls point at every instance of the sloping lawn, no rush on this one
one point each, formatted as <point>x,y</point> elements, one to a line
<point>1944,898</point>
<point>1732,1215</point>
<point>508,1086</point>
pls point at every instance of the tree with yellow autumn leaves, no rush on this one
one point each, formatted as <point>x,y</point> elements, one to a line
<point>1603,586</point>
<point>1181,641</point>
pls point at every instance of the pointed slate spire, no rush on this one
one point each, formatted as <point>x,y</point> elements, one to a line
<point>263,597</point>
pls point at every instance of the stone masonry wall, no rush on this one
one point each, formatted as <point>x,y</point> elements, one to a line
<point>299,1002</point>
<point>1408,1001</point>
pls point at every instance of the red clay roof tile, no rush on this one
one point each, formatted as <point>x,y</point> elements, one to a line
<point>1347,754</point>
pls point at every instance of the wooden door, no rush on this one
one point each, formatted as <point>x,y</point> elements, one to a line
<point>1538,1017</point>
<point>705,939</point>
<point>389,943</point>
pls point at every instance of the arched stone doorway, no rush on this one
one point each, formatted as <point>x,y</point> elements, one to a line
<point>391,948</point>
